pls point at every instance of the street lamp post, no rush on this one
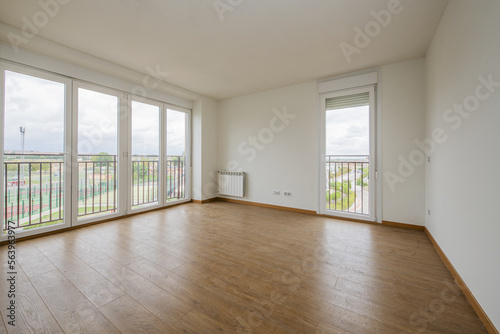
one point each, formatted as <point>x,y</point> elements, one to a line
<point>22,131</point>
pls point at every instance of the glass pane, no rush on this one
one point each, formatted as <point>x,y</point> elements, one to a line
<point>348,159</point>
<point>145,153</point>
<point>348,131</point>
<point>176,133</point>
<point>33,147</point>
<point>176,155</point>
<point>97,153</point>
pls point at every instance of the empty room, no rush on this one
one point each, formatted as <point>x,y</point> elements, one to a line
<point>249,166</point>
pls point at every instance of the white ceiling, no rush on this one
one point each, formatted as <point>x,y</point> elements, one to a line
<point>260,44</point>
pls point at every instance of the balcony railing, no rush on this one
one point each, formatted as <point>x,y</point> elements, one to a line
<point>97,187</point>
<point>34,186</point>
<point>347,183</point>
<point>33,189</point>
<point>144,179</point>
<point>176,177</point>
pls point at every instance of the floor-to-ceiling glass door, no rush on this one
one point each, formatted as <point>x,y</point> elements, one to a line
<point>96,184</point>
<point>75,152</point>
<point>177,162</point>
<point>348,153</point>
<point>35,155</point>
<point>159,163</point>
<point>145,165</point>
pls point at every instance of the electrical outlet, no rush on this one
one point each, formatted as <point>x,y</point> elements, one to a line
<point>289,194</point>
<point>276,192</point>
<point>428,212</point>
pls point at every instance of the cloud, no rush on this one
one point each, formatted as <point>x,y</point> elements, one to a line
<point>347,131</point>
<point>176,132</point>
<point>98,121</point>
<point>39,106</point>
<point>145,129</point>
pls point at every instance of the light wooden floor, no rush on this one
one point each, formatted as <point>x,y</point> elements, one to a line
<point>232,268</point>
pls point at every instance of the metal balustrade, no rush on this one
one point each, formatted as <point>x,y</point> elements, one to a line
<point>176,177</point>
<point>34,186</point>
<point>347,183</point>
<point>97,184</point>
<point>144,179</point>
<point>33,189</point>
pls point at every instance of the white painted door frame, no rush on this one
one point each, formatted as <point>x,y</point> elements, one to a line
<point>373,172</point>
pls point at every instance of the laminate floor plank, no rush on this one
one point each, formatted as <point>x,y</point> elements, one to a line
<point>403,296</point>
<point>143,250</point>
<point>3,330</point>
<point>73,312</point>
<point>161,303</point>
<point>244,305</point>
<point>324,328</point>
<point>231,268</point>
<point>256,306</point>
<point>196,322</point>
<point>31,314</point>
<point>130,317</point>
<point>196,296</point>
<point>120,254</point>
<point>98,290</point>
<point>31,260</point>
<point>83,250</point>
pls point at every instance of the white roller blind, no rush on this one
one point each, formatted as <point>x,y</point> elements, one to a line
<point>348,101</point>
<point>333,85</point>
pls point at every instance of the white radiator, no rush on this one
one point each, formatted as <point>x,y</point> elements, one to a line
<point>232,183</point>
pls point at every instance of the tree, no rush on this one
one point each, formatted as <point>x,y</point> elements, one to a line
<point>339,186</point>
<point>102,156</point>
<point>360,181</point>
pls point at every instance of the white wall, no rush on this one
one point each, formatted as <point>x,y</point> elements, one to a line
<point>403,114</point>
<point>286,160</point>
<point>196,150</point>
<point>463,179</point>
<point>204,148</point>
<point>290,161</point>
<point>209,142</point>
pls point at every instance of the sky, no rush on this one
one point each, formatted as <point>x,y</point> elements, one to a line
<point>348,131</point>
<point>38,105</point>
<point>146,131</point>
